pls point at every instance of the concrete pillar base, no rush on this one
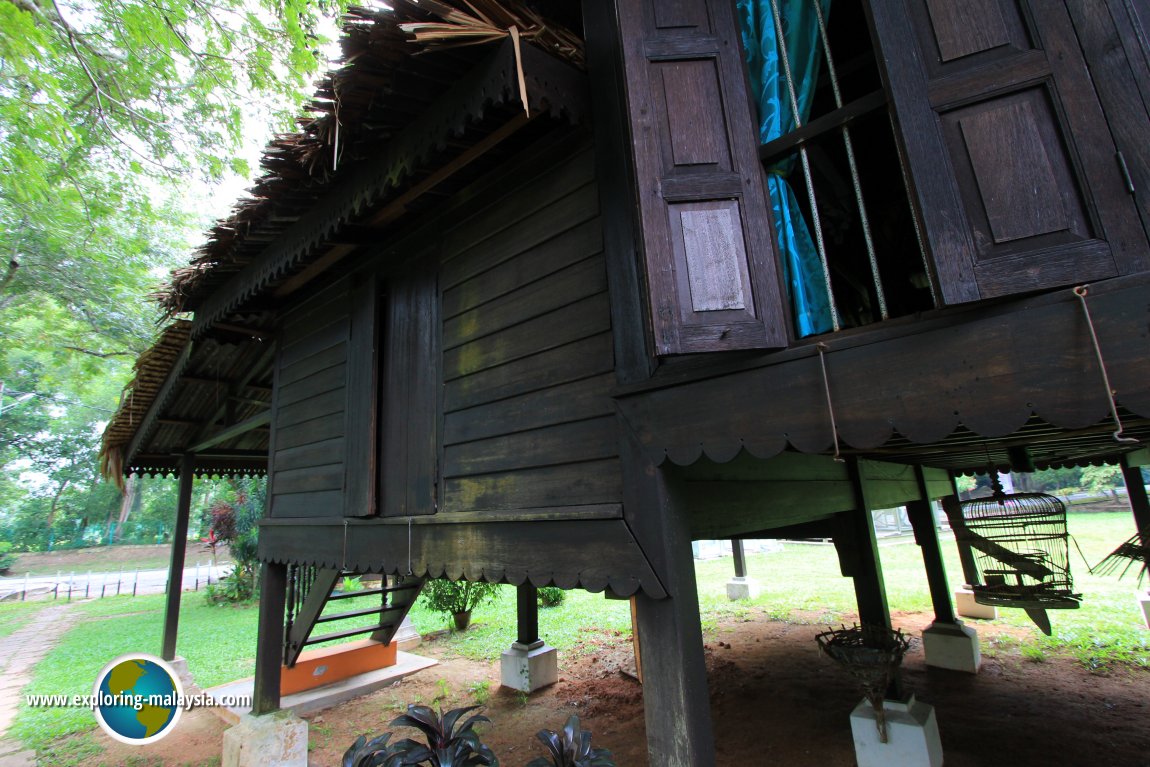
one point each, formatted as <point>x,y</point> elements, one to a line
<point>179,664</point>
<point>966,607</point>
<point>912,735</point>
<point>528,668</point>
<point>953,646</point>
<point>1144,603</point>
<point>272,740</point>
<point>742,588</point>
<point>406,637</point>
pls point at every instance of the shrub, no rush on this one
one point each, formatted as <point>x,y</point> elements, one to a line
<point>456,597</point>
<point>551,596</point>
<point>7,559</point>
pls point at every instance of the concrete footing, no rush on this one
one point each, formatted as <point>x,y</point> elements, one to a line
<point>1144,603</point>
<point>528,668</point>
<point>273,740</point>
<point>179,664</point>
<point>742,588</point>
<point>953,646</point>
<point>966,607</point>
<point>912,735</point>
<point>406,637</point>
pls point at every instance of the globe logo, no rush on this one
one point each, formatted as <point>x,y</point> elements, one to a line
<point>137,699</point>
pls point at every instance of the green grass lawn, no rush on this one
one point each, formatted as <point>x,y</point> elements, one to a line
<point>801,583</point>
<point>14,615</point>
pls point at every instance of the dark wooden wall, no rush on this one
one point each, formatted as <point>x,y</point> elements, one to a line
<point>527,352</point>
<point>309,442</point>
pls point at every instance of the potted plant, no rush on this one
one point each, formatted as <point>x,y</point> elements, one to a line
<point>458,598</point>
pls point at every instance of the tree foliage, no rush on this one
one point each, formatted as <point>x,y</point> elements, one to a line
<point>109,109</point>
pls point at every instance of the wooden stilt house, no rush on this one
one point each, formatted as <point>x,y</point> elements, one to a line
<point>545,310</point>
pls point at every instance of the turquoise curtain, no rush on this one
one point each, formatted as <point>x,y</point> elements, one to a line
<point>801,266</point>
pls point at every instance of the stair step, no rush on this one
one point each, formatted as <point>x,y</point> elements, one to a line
<point>367,592</point>
<point>348,633</point>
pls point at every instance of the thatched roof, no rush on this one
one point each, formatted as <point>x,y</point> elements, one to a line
<point>376,130</point>
<point>358,107</point>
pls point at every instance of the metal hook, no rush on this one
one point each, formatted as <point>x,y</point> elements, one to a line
<point>822,348</point>
<point>1081,291</point>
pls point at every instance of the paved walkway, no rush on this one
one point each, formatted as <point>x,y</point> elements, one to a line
<point>20,651</point>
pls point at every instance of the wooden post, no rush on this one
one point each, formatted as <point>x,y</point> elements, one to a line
<point>740,557</point>
<point>176,565</point>
<point>675,696</point>
<point>953,508</point>
<point>1136,492</point>
<point>858,554</point>
<point>270,638</point>
<point>926,536</point>
<point>527,612</point>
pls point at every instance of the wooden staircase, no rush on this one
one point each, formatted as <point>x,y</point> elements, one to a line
<point>312,590</point>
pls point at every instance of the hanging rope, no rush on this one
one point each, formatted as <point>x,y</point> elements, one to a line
<point>830,404</point>
<point>1081,292</point>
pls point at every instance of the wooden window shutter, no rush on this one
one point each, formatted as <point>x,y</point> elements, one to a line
<point>1009,153</point>
<point>712,274</point>
<point>362,398</point>
<point>410,382</point>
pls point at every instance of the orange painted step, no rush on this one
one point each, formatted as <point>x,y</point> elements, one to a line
<point>316,668</point>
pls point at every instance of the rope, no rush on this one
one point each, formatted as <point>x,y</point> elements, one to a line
<point>830,404</point>
<point>343,562</point>
<point>409,571</point>
<point>1081,292</point>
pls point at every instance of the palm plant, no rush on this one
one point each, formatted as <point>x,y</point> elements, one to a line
<point>446,746</point>
<point>572,748</point>
<point>372,753</point>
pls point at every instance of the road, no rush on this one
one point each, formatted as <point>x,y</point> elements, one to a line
<point>93,585</point>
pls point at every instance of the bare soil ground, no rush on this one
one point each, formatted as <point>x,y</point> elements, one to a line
<point>112,558</point>
<point>774,698</point>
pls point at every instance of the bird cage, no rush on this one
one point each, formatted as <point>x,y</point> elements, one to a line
<point>1022,550</point>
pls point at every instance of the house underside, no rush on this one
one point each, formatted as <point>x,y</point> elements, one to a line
<point>444,351</point>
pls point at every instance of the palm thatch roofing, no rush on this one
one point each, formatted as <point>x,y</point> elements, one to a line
<point>400,125</point>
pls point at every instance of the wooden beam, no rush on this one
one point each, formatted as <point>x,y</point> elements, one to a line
<point>527,614</point>
<point>926,536</point>
<point>333,255</point>
<point>260,420</point>
<point>256,369</point>
<point>676,702</point>
<point>953,509</point>
<point>269,639</point>
<point>176,563</point>
<point>229,327</point>
<point>740,557</point>
<point>149,419</point>
<point>858,553</point>
<point>1139,503</point>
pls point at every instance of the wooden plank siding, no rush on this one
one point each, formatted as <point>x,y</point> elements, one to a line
<point>310,444</point>
<point>528,421</point>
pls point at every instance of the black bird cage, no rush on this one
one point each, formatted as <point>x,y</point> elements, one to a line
<point>1022,550</point>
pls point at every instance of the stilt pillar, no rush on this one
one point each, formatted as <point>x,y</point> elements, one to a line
<point>530,664</point>
<point>742,586</point>
<point>270,638</point>
<point>176,563</point>
<point>947,643</point>
<point>1140,505</point>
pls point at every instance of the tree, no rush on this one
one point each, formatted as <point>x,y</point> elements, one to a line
<point>107,109</point>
